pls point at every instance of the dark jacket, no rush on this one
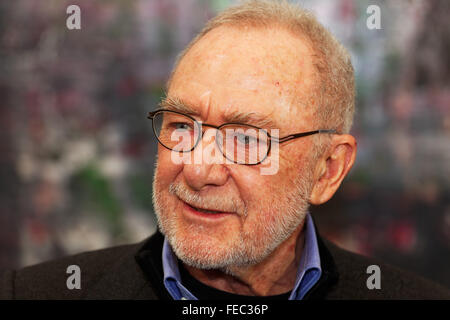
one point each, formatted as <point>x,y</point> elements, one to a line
<point>135,272</point>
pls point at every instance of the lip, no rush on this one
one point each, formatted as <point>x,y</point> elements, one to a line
<point>191,210</point>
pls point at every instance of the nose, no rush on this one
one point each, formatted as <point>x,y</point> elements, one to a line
<point>206,167</point>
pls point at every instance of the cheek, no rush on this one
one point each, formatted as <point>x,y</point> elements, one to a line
<point>263,194</point>
<point>260,193</point>
<point>166,173</point>
<point>260,185</point>
<point>167,170</point>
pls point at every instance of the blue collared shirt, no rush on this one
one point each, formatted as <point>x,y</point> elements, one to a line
<point>308,273</point>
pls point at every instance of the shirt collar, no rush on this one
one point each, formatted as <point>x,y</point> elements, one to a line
<point>308,273</point>
<point>309,270</point>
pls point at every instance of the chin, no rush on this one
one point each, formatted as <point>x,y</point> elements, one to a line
<point>203,251</point>
<point>196,248</point>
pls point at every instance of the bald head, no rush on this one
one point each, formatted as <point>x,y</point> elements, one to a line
<point>334,90</point>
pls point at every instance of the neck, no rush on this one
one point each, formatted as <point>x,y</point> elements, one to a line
<point>274,275</point>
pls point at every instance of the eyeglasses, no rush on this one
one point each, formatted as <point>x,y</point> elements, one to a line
<point>238,142</point>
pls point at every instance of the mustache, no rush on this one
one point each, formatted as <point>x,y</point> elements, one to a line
<point>217,203</point>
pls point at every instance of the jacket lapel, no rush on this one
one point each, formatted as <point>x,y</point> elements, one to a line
<point>124,280</point>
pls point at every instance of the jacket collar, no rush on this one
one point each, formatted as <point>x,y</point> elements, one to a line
<point>149,258</point>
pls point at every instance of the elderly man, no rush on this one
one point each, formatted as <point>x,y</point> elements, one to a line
<point>254,128</point>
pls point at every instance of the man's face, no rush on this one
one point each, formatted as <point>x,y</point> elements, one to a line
<point>268,72</point>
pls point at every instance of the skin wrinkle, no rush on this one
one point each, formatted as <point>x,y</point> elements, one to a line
<point>231,114</point>
<point>300,123</point>
<point>205,99</point>
<point>243,249</point>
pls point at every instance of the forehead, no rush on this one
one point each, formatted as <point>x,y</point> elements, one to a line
<point>267,71</point>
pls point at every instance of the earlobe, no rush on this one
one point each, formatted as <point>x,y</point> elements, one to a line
<point>336,167</point>
<point>315,197</point>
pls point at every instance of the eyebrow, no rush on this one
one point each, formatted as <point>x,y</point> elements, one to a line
<point>176,104</point>
<point>252,118</point>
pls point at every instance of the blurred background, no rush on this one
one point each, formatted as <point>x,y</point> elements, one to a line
<point>77,153</point>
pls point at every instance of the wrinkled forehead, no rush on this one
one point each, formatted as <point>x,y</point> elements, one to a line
<point>222,104</point>
<point>268,72</point>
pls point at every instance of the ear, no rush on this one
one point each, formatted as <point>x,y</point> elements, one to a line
<point>332,168</point>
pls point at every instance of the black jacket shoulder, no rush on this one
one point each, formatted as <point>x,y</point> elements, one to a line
<point>395,283</point>
<point>48,280</point>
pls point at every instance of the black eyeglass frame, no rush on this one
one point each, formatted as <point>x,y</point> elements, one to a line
<point>151,115</point>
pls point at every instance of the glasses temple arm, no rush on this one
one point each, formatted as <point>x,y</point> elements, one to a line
<point>299,135</point>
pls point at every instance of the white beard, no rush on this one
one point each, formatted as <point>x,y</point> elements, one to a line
<point>196,248</point>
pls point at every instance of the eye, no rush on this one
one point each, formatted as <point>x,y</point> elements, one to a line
<point>246,139</point>
<point>181,126</point>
